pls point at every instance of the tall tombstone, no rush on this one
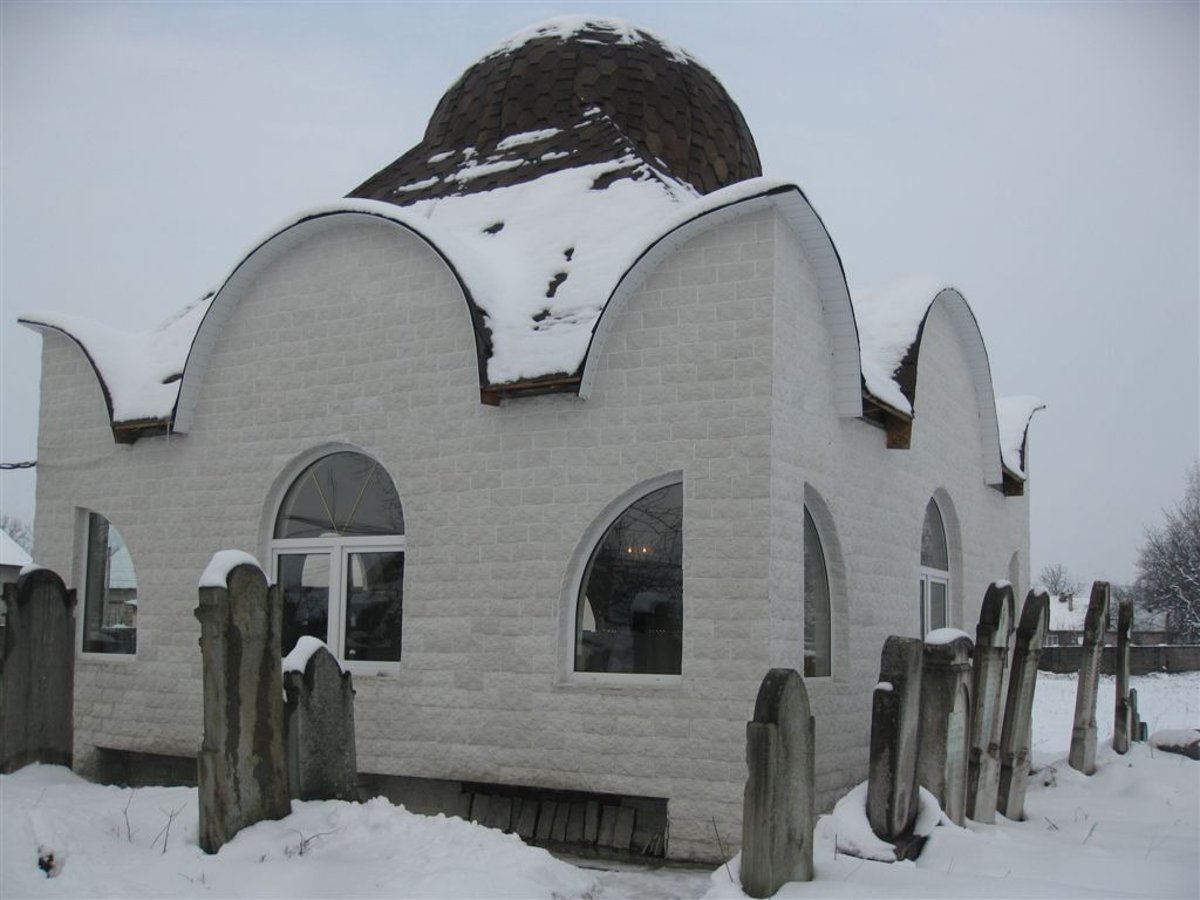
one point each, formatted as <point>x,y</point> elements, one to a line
<point>992,636</point>
<point>1018,710</point>
<point>777,814</point>
<point>1123,713</point>
<point>945,714</point>
<point>37,672</point>
<point>318,718</point>
<point>242,767</point>
<point>1083,735</point>
<point>892,795</point>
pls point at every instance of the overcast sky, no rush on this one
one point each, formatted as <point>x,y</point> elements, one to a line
<point>1040,157</point>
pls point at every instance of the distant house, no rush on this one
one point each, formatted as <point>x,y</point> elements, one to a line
<point>13,558</point>
<point>561,430</point>
<point>1067,613</point>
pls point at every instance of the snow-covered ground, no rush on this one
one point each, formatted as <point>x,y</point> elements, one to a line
<point>1131,830</point>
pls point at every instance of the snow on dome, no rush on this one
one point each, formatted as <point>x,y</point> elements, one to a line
<point>139,372</point>
<point>888,323</point>
<point>1013,415</point>
<point>566,28</point>
<point>12,553</point>
<point>574,91</point>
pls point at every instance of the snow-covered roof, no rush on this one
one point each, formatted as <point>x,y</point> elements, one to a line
<point>139,372</point>
<point>1067,614</point>
<point>12,553</point>
<point>1013,415</point>
<point>553,173</point>
<point>889,321</point>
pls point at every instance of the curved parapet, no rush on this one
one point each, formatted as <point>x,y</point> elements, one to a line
<point>723,206</point>
<point>275,244</point>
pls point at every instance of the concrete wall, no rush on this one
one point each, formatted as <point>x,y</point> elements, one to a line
<point>719,369</point>
<point>1142,660</point>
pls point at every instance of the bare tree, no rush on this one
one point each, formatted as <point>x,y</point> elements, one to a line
<point>19,530</point>
<point>1169,564</point>
<point>1057,580</point>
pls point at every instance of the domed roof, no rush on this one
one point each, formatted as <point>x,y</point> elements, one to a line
<point>569,92</point>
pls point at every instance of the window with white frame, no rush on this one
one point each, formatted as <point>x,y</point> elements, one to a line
<point>110,598</point>
<point>935,572</point>
<point>338,557</point>
<point>629,611</point>
<point>818,656</point>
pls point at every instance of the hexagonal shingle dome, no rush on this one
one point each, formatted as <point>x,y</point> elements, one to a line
<point>569,92</point>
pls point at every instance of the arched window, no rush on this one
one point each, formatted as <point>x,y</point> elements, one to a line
<point>935,572</point>
<point>110,601</point>
<point>629,612</point>
<point>817,650</point>
<point>338,556</point>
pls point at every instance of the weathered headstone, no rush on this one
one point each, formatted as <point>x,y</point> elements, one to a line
<point>945,714</point>
<point>1083,735</point>
<point>37,672</point>
<point>1137,728</point>
<point>318,719</point>
<point>242,767</point>
<point>1123,712</point>
<point>1018,710</point>
<point>992,636</point>
<point>892,793</point>
<point>777,816</point>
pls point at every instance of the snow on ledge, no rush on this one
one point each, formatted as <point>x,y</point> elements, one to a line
<point>1013,415</point>
<point>216,573</point>
<point>946,636</point>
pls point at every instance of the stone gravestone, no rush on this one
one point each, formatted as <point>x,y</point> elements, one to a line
<point>242,768</point>
<point>992,636</point>
<point>1137,728</point>
<point>1018,711</point>
<point>777,815</point>
<point>1083,736</point>
<point>37,672</point>
<point>318,716</point>
<point>892,795</point>
<point>945,712</point>
<point>1123,713</point>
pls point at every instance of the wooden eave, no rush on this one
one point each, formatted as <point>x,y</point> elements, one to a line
<point>129,432</point>
<point>492,394</point>
<point>897,424</point>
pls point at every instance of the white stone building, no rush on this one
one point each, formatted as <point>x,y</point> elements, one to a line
<point>562,430</point>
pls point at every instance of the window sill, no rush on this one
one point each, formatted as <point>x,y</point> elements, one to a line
<point>619,682</point>
<point>91,656</point>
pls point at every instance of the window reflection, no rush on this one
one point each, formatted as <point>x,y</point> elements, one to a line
<point>630,609</point>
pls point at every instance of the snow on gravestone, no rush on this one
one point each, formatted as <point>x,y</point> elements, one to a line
<point>1018,710</point>
<point>37,689</point>
<point>319,724</point>
<point>892,791</point>
<point>241,766</point>
<point>1083,735</point>
<point>992,636</point>
<point>1123,711</point>
<point>777,815</point>
<point>945,710</point>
